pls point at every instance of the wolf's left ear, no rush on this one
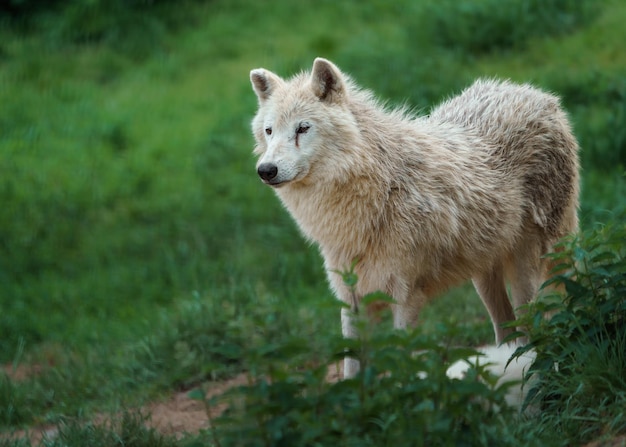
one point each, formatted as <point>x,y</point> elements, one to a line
<point>264,82</point>
<point>326,80</point>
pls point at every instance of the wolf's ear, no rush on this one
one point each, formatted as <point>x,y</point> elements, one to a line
<point>326,80</point>
<point>264,82</point>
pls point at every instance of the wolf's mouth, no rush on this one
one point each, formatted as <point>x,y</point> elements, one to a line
<point>275,184</point>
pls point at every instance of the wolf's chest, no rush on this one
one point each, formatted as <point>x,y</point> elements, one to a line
<point>333,220</point>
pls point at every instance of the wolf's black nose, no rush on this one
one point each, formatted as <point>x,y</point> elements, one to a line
<point>267,171</point>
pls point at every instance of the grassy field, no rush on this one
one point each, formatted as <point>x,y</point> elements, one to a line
<point>140,254</point>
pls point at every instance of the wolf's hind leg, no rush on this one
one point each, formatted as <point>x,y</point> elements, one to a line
<point>526,271</point>
<point>491,288</point>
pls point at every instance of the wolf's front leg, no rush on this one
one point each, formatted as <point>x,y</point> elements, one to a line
<point>351,366</point>
<point>406,311</point>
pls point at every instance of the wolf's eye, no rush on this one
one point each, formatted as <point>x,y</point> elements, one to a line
<point>302,128</point>
<point>268,131</point>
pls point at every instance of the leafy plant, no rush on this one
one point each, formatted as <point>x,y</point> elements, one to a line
<point>401,394</point>
<point>579,375</point>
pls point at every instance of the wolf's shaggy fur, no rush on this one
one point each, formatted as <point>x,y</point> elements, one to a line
<point>480,189</point>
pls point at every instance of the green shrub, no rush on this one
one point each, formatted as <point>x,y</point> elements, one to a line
<point>397,398</point>
<point>401,396</point>
<point>579,375</point>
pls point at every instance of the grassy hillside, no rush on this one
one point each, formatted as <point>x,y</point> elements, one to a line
<point>138,250</point>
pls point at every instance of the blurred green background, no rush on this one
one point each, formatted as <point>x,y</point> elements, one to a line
<point>127,184</point>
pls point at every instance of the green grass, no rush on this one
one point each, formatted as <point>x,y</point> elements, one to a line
<point>138,251</point>
<point>127,429</point>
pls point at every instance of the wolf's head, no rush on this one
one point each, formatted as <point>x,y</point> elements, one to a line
<point>300,123</point>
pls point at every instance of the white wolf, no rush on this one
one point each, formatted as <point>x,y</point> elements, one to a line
<point>480,189</point>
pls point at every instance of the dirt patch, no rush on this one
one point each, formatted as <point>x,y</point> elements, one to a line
<point>34,434</point>
<point>620,441</point>
<point>22,371</point>
<point>179,414</point>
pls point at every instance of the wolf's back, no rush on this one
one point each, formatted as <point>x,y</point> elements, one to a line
<point>533,143</point>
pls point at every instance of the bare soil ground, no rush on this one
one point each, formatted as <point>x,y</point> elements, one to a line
<point>179,414</point>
